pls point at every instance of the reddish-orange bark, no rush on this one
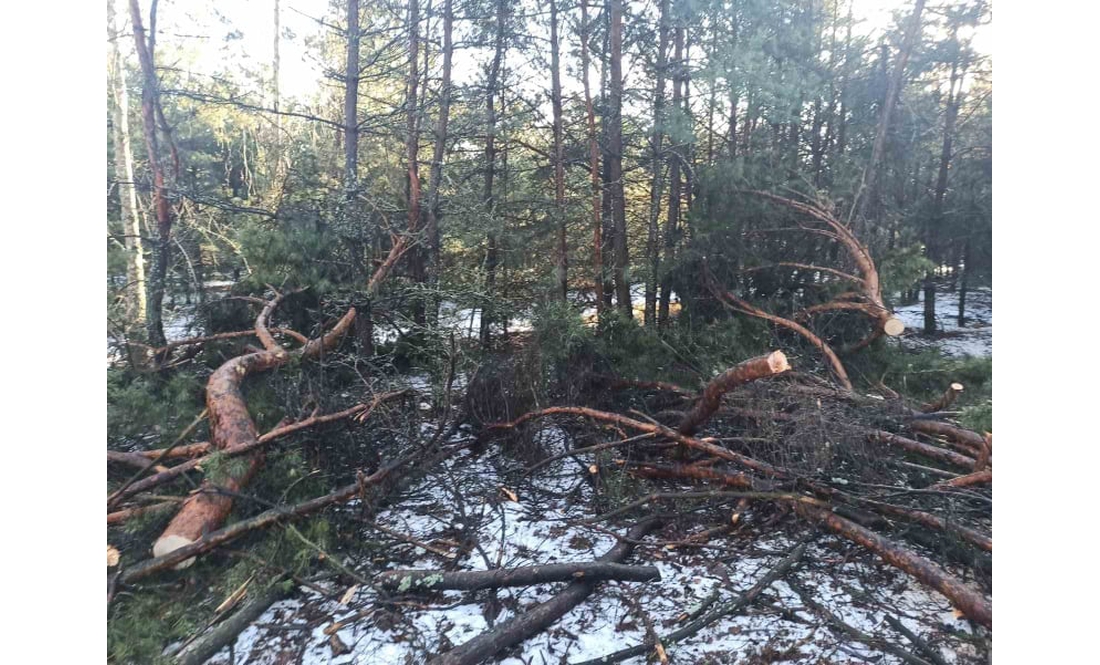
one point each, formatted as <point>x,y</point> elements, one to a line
<point>231,427</point>
<point>976,478</point>
<point>970,602</point>
<point>750,370</point>
<point>966,437</point>
<point>928,450</point>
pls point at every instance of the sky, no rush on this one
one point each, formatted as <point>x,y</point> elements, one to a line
<point>205,24</point>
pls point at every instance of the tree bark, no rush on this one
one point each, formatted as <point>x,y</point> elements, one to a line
<point>124,176</point>
<point>469,580</point>
<point>231,427</point>
<point>149,101</point>
<point>653,249</point>
<point>593,169</point>
<point>615,149</point>
<point>561,259</point>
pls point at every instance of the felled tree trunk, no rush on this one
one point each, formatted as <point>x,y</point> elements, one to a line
<point>469,580</point>
<point>968,601</point>
<point>231,426</point>
<point>970,439</point>
<point>750,370</point>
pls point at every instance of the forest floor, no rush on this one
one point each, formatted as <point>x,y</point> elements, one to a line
<point>462,499</point>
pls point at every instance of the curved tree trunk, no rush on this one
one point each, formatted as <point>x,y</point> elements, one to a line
<point>231,426</point>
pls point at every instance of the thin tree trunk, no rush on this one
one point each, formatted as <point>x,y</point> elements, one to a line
<point>561,259</point>
<point>491,253</point>
<point>964,269</point>
<point>652,242</point>
<point>124,176</point>
<point>412,150</point>
<point>364,325</point>
<point>893,91</point>
<point>608,247</point>
<point>615,146</point>
<point>438,155</point>
<point>672,221</point>
<point>149,93</point>
<point>593,167</point>
<point>936,221</point>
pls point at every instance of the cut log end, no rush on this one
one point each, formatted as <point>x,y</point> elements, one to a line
<point>777,362</point>
<point>170,543</point>
<point>957,387</point>
<point>893,326</point>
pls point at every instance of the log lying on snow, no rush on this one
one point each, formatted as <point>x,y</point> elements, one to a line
<point>469,580</point>
<point>970,602</point>
<point>231,427</point>
<point>532,621</point>
<point>750,370</point>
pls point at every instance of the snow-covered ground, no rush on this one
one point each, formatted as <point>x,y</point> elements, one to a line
<point>464,502</point>
<point>973,339</point>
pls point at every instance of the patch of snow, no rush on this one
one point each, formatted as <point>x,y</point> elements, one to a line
<point>975,338</point>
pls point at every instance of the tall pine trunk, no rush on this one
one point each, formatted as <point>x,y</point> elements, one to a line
<point>492,250</point>
<point>561,268</point>
<point>162,255</point>
<point>931,241</point>
<point>412,151</point>
<point>676,154</point>
<point>868,190</point>
<point>615,147</point>
<point>593,168</point>
<point>652,242</point>
<point>436,175</point>
<point>124,176</point>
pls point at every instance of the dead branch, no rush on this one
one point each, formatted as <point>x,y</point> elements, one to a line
<point>469,580</point>
<point>205,648</point>
<point>925,449</point>
<point>780,570</point>
<point>359,411</point>
<point>532,621</point>
<point>970,439</point>
<point>623,421</point>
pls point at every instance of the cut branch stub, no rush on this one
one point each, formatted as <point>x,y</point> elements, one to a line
<point>750,370</point>
<point>945,400</point>
<point>893,326</point>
